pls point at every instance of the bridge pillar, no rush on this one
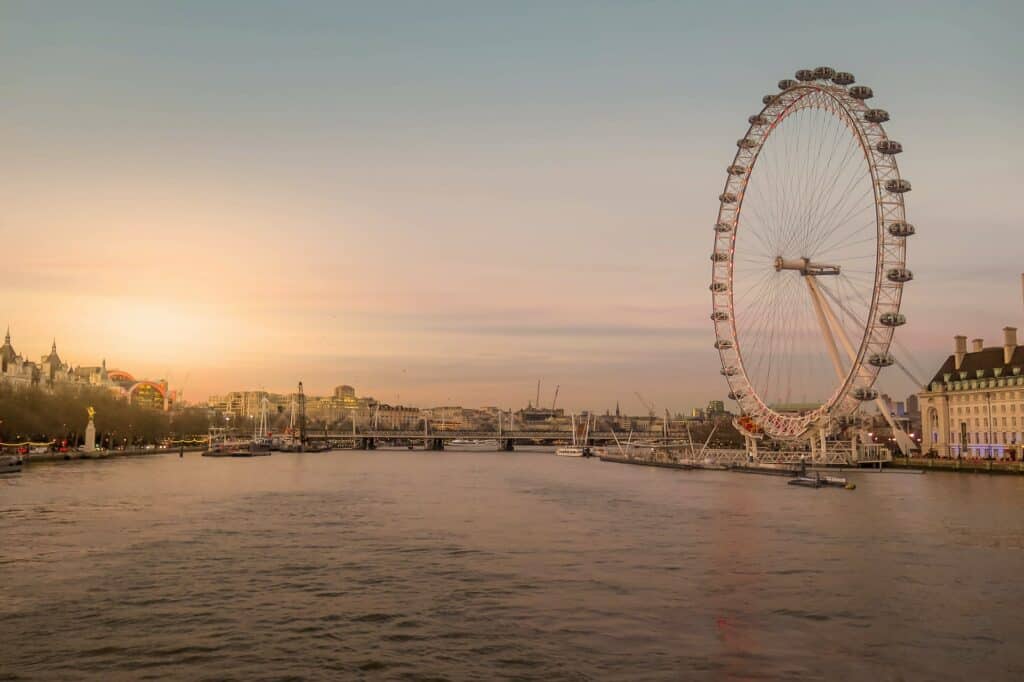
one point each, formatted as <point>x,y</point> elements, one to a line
<point>508,445</point>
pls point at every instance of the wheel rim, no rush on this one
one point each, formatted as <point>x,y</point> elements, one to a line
<point>809,181</point>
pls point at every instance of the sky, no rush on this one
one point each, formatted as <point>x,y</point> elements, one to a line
<point>441,203</point>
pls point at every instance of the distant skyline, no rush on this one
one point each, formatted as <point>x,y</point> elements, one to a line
<point>445,202</point>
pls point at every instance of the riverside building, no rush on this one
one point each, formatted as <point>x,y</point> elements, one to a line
<point>974,405</point>
<point>52,372</point>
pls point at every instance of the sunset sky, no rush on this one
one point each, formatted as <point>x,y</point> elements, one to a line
<point>443,202</point>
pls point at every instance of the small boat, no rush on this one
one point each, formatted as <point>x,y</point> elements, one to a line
<point>255,448</point>
<point>220,445</point>
<point>819,481</point>
<point>259,446</point>
<point>10,464</point>
<point>474,444</point>
<point>579,448</point>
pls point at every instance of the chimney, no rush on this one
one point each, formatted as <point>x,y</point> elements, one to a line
<point>959,350</point>
<point>977,345</point>
<point>1009,343</point>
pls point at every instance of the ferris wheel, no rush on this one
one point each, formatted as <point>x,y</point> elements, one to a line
<point>809,257</point>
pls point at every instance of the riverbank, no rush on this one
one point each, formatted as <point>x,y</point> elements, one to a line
<point>913,465</point>
<point>643,462</point>
<point>36,457</point>
<point>959,466</point>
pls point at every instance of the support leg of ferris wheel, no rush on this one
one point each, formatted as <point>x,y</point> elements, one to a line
<point>826,332</point>
<point>820,306</point>
<point>902,439</point>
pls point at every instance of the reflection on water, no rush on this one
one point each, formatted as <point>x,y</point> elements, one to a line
<point>397,564</point>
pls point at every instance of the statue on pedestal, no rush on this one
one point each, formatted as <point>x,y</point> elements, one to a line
<point>90,432</point>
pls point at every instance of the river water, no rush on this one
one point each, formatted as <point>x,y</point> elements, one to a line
<point>412,565</point>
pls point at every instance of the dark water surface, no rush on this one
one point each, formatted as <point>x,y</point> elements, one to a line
<point>402,565</point>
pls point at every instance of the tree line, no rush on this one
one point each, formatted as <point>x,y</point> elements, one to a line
<point>41,415</point>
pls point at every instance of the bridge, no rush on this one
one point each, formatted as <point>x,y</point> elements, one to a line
<point>502,439</point>
<point>654,448</point>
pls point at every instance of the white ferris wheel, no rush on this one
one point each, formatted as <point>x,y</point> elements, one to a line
<point>809,260</point>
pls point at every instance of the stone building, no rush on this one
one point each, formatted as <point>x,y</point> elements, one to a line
<point>14,369</point>
<point>52,372</point>
<point>974,405</point>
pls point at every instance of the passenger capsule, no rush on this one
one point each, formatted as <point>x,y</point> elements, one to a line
<point>898,186</point>
<point>746,143</point>
<point>805,75</point>
<point>722,228</point>
<point>719,316</point>
<point>737,170</point>
<point>729,371</point>
<point>757,120</point>
<point>843,78</point>
<point>767,99</point>
<point>899,275</point>
<point>786,83</point>
<point>876,115</point>
<point>892,319</point>
<point>718,257</point>
<point>735,395</point>
<point>719,287</point>
<point>865,394</point>
<point>824,72</point>
<point>861,92</point>
<point>901,229</point>
<point>727,198</point>
<point>889,147</point>
<point>881,360</point>
<point>723,344</point>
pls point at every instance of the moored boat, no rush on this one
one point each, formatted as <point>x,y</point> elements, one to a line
<point>10,464</point>
<point>474,444</point>
<point>579,447</point>
<point>806,481</point>
<point>819,481</point>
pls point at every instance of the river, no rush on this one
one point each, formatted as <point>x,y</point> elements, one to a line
<point>413,565</point>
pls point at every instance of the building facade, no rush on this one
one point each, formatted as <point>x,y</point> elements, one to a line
<point>974,405</point>
<point>53,372</point>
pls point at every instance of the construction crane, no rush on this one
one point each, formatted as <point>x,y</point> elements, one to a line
<point>643,401</point>
<point>554,401</point>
